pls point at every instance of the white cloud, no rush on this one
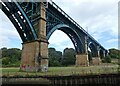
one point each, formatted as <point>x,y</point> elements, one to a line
<point>60,41</point>
<point>58,37</point>
<point>8,33</point>
<point>97,36</point>
<point>99,16</point>
<point>112,40</point>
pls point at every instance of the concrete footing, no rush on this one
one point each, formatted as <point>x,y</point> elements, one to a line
<point>82,60</point>
<point>96,61</point>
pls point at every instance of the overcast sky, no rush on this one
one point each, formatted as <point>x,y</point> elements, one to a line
<point>99,16</point>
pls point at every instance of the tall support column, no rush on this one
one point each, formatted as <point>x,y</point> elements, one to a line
<point>82,59</point>
<point>96,60</point>
<point>35,53</point>
<point>42,37</point>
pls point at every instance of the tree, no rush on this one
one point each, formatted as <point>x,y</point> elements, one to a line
<point>54,57</point>
<point>114,53</point>
<point>5,61</point>
<point>107,59</point>
<point>10,55</point>
<point>69,57</point>
<point>4,51</point>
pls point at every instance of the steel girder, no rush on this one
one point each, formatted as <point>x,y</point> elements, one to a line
<point>32,10</point>
<point>93,49</point>
<point>20,20</point>
<point>72,34</point>
<point>24,15</point>
<point>55,15</point>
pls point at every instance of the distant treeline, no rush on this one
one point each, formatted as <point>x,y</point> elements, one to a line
<point>12,56</point>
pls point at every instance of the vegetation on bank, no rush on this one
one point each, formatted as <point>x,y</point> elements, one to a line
<point>64,71</point>
<point>11,57</point>
<point>63,61</point>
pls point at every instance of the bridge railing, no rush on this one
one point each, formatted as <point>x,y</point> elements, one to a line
<point>68,17</point>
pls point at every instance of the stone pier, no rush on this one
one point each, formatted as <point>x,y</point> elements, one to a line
<point>96,61</point>
<point>35,53</point>
<point>34,56</point>
<point>82,60</point>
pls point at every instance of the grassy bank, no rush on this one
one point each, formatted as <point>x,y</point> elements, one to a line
<point>101,69</point>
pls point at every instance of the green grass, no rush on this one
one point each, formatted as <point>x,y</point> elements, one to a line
<point>102,69</point>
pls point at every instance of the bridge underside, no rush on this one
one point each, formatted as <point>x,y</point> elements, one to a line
<point>35,24</point>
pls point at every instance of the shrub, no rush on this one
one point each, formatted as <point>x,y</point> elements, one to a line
<point>107,59</point>
<point>5,61</point>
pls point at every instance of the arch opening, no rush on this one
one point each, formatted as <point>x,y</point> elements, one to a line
<point>93,49</point>
<point>101,54</point>
<point>72,34</point>
<point>60,41</point>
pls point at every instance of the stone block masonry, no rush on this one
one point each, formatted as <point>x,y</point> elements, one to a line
<point>82,60</point>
